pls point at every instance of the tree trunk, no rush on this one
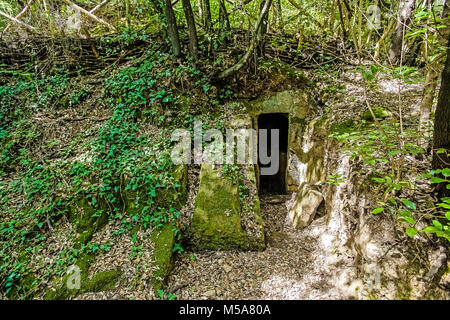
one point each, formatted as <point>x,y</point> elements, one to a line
<point>206,15</point>
<point>261,33</point>
<point>200,11</point>
<point>403,19</point>
<point>278,15</point>
<point>332,17</point>
<point>172,29</point>
<point>232,70</point>
<point>432,78</point>
<point>193,41</point>
<point>441,139</point>
<point>341,18</point>
<point>427,102</point>
<point>224,22</point>
<point>380,42</point>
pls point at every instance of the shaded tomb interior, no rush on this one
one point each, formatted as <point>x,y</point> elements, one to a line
<point>275,183</point>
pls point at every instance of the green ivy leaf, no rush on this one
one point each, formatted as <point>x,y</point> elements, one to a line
<point>446,172</point>
<point>377,210</point>
<point>444,205</point>
<point>409,204</point>
<point>430,230</point>
<point>437,224</point>
<point>411,232</point>
<point>437,180</point>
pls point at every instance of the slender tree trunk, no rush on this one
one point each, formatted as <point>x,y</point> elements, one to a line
<point>432,78</point>
<point>341,18</point>
<point>193,41</point>
<point>380,42</point>
<point>224,22</point>
<point>332,16</point>
<point>427,102</point>
<point>200,6</point>
<point>172,28</point>
<point>441,138</point>
<point>260,35</point>
<point>127,13</point>
<point>206,15</point>
<point>403,19</point>
<point>232,70</point>
<point>278,15</point>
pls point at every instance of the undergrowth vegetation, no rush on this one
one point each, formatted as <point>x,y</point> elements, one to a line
<point>395,164</point>
<point>125,172</point>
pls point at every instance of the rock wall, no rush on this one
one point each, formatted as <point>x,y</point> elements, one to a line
<point>360,255</point>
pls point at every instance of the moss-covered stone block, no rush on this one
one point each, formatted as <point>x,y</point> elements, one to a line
<point>101,281</point>
<point>216,222</point>
<point>164,241</point>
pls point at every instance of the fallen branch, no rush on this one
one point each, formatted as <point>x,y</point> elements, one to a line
<point>21,13</point>
<point>100,5</point>
<point>304,12</point>
<point>90,15</point>
<point>17,21</point>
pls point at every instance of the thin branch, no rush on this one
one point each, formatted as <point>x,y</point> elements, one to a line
<point>90,15</point>
<point>100,5</point>
<point>17,21</point>
<point>304,12</point>
<point>21,13</point>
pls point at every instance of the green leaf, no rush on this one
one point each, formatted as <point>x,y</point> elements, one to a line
<point>404,213</point>
<point>446,172</point>
<point>444,205</point>
<point>409,204</point>
<point>410,220</point>
<point>377,210</point>
<point>437,224</point>
<point>411,232</point>
<point>437,180</point>
<point>430,230</point>
<point>447,215</point>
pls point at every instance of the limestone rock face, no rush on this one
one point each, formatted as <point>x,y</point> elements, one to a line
<point>305,206</point>
<point>216,222</point>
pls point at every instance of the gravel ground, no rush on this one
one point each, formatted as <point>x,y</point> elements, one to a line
<point>248,275</point>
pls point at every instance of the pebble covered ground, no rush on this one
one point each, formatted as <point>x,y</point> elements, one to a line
<point>248,275</point>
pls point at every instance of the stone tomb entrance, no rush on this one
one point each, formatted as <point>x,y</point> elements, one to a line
<point>276,183</point>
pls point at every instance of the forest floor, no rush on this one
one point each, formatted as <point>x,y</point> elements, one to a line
<point>291,267</point>
<point>274,273</point>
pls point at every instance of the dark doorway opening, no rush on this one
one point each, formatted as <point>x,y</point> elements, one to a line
<point>275,183</point>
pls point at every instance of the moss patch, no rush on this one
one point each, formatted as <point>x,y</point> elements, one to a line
<point>99,282</point>
<point>88,218</point>
<point>379,112</point>
<point>164,240</point>
<point>216,223</point>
